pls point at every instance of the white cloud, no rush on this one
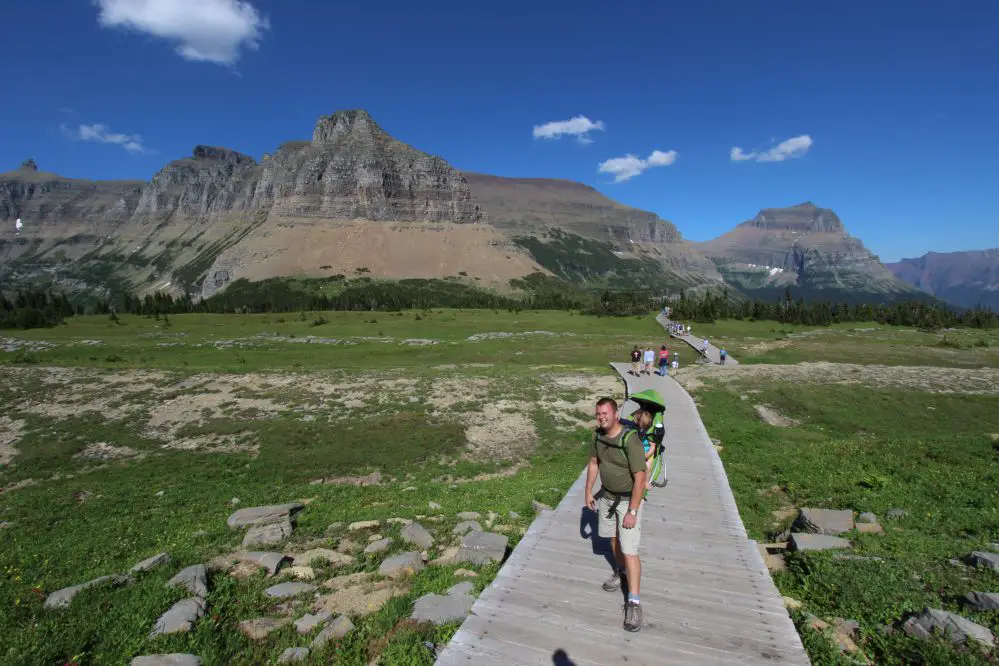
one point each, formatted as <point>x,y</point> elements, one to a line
<point>630,166</point>
<point>204,30</point>
<point>102,134</point>
<point>579,127</point>
<point>794,147</point>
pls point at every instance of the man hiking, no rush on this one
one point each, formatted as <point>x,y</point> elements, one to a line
<point>636,361</point>
<point>621,467</point>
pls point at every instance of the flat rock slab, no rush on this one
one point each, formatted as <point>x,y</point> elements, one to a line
<point>194,579</point>
<point>984,560</point>
<point>417,535</point>
<point>867,517</point>
<point>301,573</point>
<point>175,659</point>
<point>955,628</point>
<point>267,560</point>
<point>805,542</point>
<point>268,534</point>
<point>469,515</point>
<point>401,565</point>
<point>259,628</point>
<point>379,546</point>
<point>288,590</point>
<point>325,554</point>
<point>259,515</point>
<point>340,628</point>
<point>482,548</point>
<point>465,587</point>
<point>824,521</point>
<point>151,563</point>
<point>293,654</point>
<point>62,598</point>
<point>441,609</point>
<point>466,526</point>
<point>180,618</point>
<point>363,525</point>
<point>308,622</point>
<point>982,601</point>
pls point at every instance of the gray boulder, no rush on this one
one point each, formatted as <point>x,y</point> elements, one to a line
<point>401,564</point>
<point>180,618</point>
<point>417,535</point>
<point>466,526</point>
<point>896,514</point>
<point>441,609</point>
<point>482,548</point>
<point>175,659</point>
<point>984,560</point>
<point>824,521</point>
<point>954,627</point>
<point>288,590</point>
<point>982,601</point>
<point>308,622</point>
<point>338,629</point>
<point>151,563</point>
<point>379,546</point>
<point>267,560</point>
<point>259,515</point>
<point>293,654</point>
<point>194,579</point>
<point>62,598</point>
<point>464,587</point>
<point>804,542</point>
<point>867,517</point>
<point>268,534</point>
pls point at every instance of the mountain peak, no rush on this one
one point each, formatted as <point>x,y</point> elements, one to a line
<point>803,217</point>
<point>353,122</point>
<point>222,155</point>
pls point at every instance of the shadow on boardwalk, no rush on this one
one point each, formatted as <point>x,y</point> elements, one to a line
<point>707,595</point>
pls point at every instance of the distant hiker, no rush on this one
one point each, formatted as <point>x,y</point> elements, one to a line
<point>636,361</point>
<point>688,329</point>
<point>723,354</point>
<point>663,360</point>
<point>17,227</point>
<point>617,456</point>
<point>649,357</point>
<point>704,347</point>
<point>676,364</point>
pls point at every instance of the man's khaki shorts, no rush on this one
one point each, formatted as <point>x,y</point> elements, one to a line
<point>636,368</point>
<point>609,524</point>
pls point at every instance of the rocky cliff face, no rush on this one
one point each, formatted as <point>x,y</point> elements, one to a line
<point>804,247</point>
<point>966,279</point>
<point>621,235</point>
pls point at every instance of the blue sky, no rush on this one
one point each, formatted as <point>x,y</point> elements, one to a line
<point>890,115</point>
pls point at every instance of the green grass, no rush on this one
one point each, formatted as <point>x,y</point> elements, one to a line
<point>583,341</point>
<point>871,450</point>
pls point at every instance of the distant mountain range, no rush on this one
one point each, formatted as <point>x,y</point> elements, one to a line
<point>354,201</point>
<point>962,278</point>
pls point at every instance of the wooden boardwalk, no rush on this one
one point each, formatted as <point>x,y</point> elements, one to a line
<point>713,354</point>
<point>706,593</point>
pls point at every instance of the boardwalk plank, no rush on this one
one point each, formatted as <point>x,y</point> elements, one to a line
<point>706,593</point>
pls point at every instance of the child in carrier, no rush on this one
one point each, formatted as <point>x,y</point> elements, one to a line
<point>641,420</point>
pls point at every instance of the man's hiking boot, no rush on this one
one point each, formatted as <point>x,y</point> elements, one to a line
<point>613,584</point>
<point>632,616</point>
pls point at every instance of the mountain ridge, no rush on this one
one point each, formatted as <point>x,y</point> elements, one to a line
<point>967,278</point>
<point>351,200</point>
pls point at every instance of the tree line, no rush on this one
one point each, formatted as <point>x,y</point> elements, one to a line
<point>923,314</point>
<point>40,308</point>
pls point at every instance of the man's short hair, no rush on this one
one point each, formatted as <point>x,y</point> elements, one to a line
<point>607,401</point>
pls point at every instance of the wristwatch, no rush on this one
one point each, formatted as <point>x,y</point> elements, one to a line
<point>633,512</point>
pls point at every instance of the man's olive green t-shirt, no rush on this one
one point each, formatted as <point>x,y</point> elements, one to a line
<point>616,470</point>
